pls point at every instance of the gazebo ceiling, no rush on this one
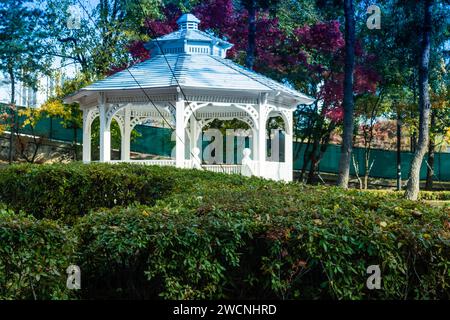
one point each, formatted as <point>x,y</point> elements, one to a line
<point>197,61</point>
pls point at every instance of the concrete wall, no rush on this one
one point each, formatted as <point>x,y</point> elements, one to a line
<point>48,151</point>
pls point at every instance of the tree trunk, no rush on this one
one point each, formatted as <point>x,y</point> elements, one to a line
<point>399,151</point>
<point>431,152</point>
<point>299,148</point>
<point>413,138</point>
<point>306,157</point>
<point>319,149</point>
<point>412,191</point>
<point>250,59</point>
<point>314,155</point>
<point>13,120</point>
<point>367,166</point>
<point>314,163</point>
<point>346,150</point>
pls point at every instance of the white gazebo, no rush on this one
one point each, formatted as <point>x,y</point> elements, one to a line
<point>188,82</point>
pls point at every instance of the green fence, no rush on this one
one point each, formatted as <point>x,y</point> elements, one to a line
<point>158,141</point>
<point>384,162</point>
<point>153,140</point>
<point>52,128</point>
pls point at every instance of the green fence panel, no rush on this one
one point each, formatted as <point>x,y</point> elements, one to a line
<point>50,128</point>
<point>384,162</point>
<point>157,141</point>
<point>161,141</point>
<point>152,140</point>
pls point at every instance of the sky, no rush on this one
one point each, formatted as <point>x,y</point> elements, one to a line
<point>5,88</point>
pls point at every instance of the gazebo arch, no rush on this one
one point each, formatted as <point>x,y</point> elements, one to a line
<point>287,119</point>
<point>187,82</point>
<point>247,108</point>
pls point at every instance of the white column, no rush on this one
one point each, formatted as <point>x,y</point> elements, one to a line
<point>288,150</point>
<point>262,143</point>
<point>254,144</point>
<point>86,136</point>
<point>180,134</point>
<point>105,133</point>
<point>126,138</point>
<point>230,134</point>
<point>274,137</point>
<point>195,132</point>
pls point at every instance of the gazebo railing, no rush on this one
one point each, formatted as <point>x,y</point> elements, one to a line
<point>274,170</point>
<point>250,168</point>
<point>223,168</point>
<point>267,169</point>
<point>159,162</point>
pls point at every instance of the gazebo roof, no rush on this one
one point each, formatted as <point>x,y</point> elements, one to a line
<point>188,18</point>
<point>186,34</point>
<point>197,60</point>
<point>188,31</point>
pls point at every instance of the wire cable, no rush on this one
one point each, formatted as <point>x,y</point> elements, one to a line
<point>145,93</point>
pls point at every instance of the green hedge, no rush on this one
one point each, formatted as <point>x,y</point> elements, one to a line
<point>62,191</point>
<point>394,195</point>
<point>34,255</point>
<point>435,195</point>
<point>423,195</point>
<point>151,232</point>
<point>267,240</point>
<point>66,190</point>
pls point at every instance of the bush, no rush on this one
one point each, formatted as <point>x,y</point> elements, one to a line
<point>423,195</point>
<point>159,232</point>
<point>268,240</point>
<point>64,191</point>
<point>34,255</point>
<point>435,195</point>
<point>142,253</point>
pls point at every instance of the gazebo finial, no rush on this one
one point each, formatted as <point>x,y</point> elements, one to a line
<point>188,40</point>
<point>188,22</point>
<point>217,88</point>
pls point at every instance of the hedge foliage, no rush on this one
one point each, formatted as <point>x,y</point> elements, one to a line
<point>63,191</point>
<point>435,195</point>
<point>187,234</point>
<point>284,242</point>
<point>34,255</point>
<point>423,195</point>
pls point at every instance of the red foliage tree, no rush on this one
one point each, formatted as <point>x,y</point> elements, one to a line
<point>311,57</point>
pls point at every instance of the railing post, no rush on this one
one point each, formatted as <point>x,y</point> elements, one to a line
<point>196,162</point>
<point>246,162</point>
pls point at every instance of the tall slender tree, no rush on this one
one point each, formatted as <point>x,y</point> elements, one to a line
<point>21,50</point>
<point>252,7</point>
<point>347,138</point>
<point>412,190</point>
<point>431,153</point>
